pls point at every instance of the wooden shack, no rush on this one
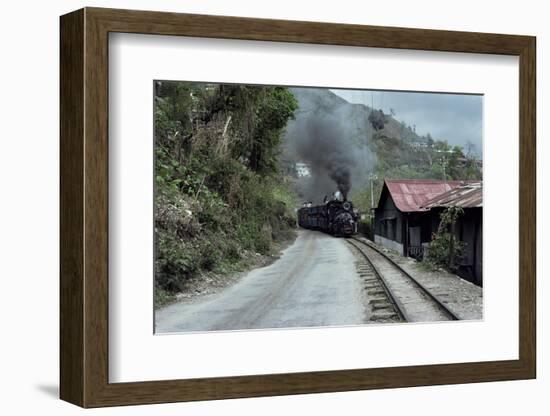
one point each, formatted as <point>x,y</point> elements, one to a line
<point>400,222</point>
<point>468,227</point>
<point>408,213</point>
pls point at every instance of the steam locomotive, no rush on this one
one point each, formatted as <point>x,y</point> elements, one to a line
<point>335,217</point>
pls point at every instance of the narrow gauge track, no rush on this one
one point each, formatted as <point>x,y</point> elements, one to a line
<point>385,308</point>
<point>412,301</point>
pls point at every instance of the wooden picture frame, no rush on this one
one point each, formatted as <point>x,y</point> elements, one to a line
<point>84,207</point>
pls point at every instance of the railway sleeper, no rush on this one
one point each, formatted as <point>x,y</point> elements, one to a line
<point>377,307</point>
<point>384,316</point>
<point>380,300</point>
<point>373,285</point>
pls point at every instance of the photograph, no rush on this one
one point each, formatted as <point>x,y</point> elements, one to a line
<point>298,207</point>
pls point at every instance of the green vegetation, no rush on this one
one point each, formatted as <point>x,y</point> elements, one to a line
<point>220,195</point>
<point>422,158</point>
<point>402,154</point>
<point>446,249</point>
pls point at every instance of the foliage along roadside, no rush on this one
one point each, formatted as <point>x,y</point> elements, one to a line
<point>219,195</point>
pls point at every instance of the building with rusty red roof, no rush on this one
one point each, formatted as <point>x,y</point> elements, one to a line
<point>408,213</point>
<point>410,195</point>
<point>468,195</point>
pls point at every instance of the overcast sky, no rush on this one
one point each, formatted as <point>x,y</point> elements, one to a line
<point>456,118</point>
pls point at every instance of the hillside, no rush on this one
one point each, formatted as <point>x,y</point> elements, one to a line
<point>372,143</point>
<point>220,203</point>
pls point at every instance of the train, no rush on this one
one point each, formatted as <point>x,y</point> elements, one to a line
<point>335,217</point>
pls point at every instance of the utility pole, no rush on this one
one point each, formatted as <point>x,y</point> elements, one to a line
<point>444,162</point>
<point>372,177</point>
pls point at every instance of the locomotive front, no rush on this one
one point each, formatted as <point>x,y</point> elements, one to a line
<point>335,217</point>
<point>343,219</point>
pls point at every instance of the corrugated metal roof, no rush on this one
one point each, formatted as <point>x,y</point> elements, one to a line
<point>469,195</point>
<point>410,195</point>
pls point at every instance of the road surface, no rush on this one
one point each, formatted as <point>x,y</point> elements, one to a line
<point>314,283</point>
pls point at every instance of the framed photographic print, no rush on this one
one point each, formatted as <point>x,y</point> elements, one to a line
<point>256,207</point>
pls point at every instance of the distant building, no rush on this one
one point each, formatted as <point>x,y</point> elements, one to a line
<point>408,213</point>
<point>302,169</point>
<point>463,162</point>
<point>419,145</point>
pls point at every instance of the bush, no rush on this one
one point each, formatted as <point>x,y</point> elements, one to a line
<point>232,251</point>
<point>262,242</point>
<point>209,255</point>
<point>162,297</point>
<point>446,250</point>
<point>175,262</point>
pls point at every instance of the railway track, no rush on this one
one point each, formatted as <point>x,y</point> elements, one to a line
<point>384,308</point>
<point>411,301</point>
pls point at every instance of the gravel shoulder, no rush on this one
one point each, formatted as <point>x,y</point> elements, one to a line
<point>462,297</point>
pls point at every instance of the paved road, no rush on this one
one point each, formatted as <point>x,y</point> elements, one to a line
<point>314,283</point>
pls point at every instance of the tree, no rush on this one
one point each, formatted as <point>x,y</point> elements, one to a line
<point>276,107</point>
<point>377,119</point>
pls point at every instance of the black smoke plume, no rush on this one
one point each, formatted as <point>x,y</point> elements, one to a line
<point>322,145</point>
<point>331,136</point>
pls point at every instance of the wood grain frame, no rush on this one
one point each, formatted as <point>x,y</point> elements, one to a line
<point>84,207</point>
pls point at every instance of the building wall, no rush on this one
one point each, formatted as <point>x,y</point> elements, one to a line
<point>389,223</point>
<point>469,230</point>
<point>391,244</point>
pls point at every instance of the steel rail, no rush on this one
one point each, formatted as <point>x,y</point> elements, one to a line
<point>432,296</point>
<point>396,303</point>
